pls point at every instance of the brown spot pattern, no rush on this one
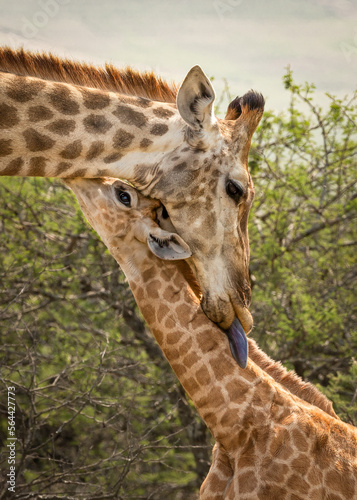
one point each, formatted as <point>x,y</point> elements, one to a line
<point>272,491</point>
<point>62,167</point>
<point>149,274</point>
<point>37,166</point>
<point>203,376</point>
<point>216,484</point>
<point>178,368</point>
<point>171,294</point>
<point>62,127</point>
<point>61,100</point>
<point>77,173</point>
<point>191,385</point>
<point>122,139</point>
<point>183,312</point>
<point>210,222</point>
<point>5,147</point>
<point>23,89</point>
<point>145,143</point>
<point>103,172</point>
<point>190,359</point>
<point>247,459</point>
<point>162,312</point>
<point>36,141</point>
<point>299,440</point>
<point>247,482</point>
<point>180,167</point>
<point>96,124</point>
<point>185,347</point>
<point>276,471</point>
<point>159,129</point>
<point>130,116</point>
<point>315,477</point>
<point>149,313</point>
<point>171,337</point>
<point>72,151</point>
<point>113,158</point>
<point>96,148</point>
<point>152,289</point>
<point>142,102</point>
<point>163,112</point>
<point>8,116</point>
<point>14,167</point>
<point>298,483</point>
<point>216,397</point>
<point>301,465</point>
<point>39,113</point>
<point>236,392</point>
<point>93,99</point>
<point>220,370</point>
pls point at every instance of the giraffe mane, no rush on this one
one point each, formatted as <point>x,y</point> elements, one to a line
<point>290,380</point>
<point>50,67</point>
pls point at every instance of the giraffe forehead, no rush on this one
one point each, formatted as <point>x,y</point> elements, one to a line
<point>195,177</point>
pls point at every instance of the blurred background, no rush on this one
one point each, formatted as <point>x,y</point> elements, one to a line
<point>247,42</point>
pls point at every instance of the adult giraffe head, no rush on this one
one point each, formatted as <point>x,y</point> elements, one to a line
<point>207,191</point>
<point>64,119</point>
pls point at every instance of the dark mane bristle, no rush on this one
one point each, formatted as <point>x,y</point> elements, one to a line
<point>108,77</point>
<point>253,100</point>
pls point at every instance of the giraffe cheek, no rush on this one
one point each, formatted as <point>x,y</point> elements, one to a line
<point>119,228</point>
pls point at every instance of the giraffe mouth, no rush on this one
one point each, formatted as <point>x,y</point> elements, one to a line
<point>238,342</point>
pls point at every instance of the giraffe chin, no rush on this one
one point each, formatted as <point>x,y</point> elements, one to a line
<point>238,343</point>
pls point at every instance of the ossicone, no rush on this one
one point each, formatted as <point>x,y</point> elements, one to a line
<point>245,113</point>
<point>251,101</point>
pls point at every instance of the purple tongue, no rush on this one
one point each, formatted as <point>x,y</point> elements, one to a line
<point>238,343</point>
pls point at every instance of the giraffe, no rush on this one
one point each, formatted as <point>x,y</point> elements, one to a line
<point>270,443</point>
<point>64,119</point>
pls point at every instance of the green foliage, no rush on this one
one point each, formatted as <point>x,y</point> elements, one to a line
<point>340,388</point>
<point>99,411</point>
<point>303,236</point>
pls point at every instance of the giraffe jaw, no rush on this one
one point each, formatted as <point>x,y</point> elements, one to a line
<point>238,342</point>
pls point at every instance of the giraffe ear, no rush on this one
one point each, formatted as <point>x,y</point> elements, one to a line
<point>195,100</point>
<point>168,246</point>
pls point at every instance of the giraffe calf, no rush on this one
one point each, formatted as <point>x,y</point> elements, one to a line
<point>271,444</point>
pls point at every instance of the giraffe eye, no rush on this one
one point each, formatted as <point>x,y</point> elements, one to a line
<point>234,190</point>
<point>123,197</point>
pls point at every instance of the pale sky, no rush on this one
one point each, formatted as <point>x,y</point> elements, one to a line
<point>248,42</point>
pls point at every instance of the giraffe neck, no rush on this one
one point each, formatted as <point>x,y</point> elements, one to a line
<point>51,129</point>
<point>199,353</point>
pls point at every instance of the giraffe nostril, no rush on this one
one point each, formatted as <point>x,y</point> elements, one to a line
<point>165,214</point>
